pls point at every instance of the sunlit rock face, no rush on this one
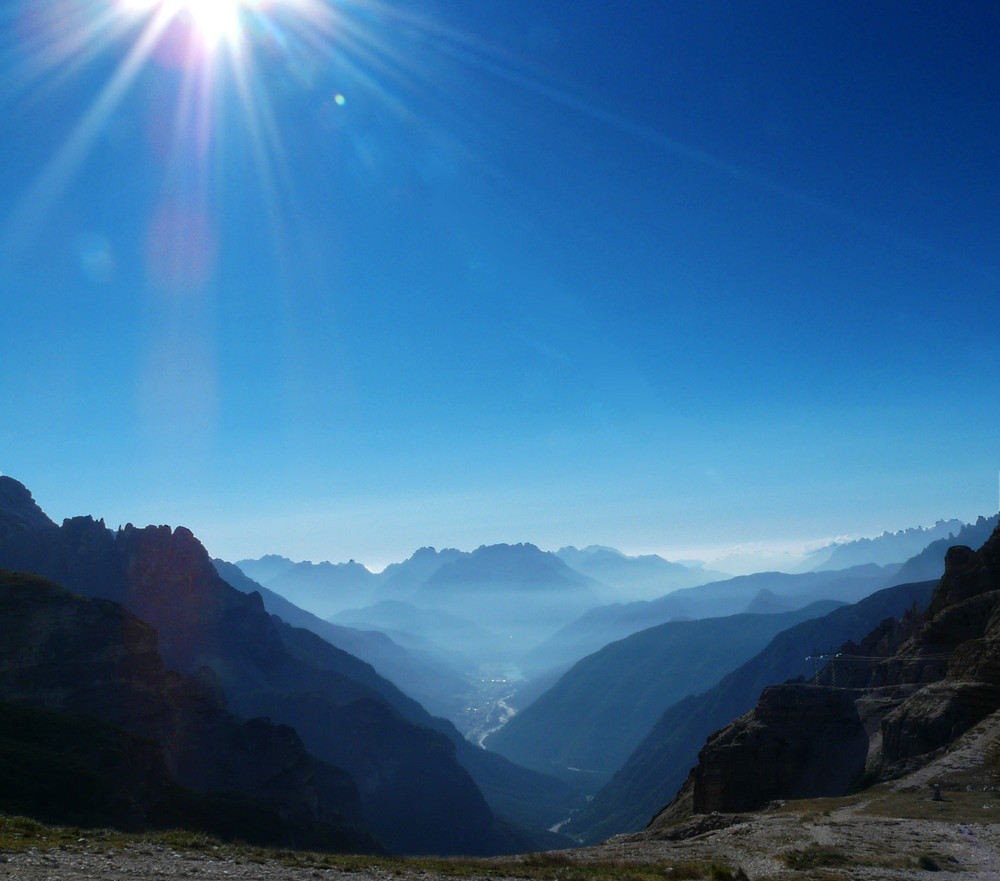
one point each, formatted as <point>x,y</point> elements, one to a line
<point>880,707</point>
<point>800,741</point>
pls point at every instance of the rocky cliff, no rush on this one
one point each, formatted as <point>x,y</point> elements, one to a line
<point>265,668</point>
<point>879,708</point>
<point>82,657</point>
<point>660,764</point>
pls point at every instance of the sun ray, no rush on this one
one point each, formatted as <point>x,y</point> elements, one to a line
<point>32,209</point>
<point>216,48</point>
<point>59,48</point>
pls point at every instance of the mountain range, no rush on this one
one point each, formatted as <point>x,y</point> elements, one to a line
<point>597,713</point>
<point>505,597</point>
<point>640,577</point>
<point>345,714</point>
<point>656,768</point>
<point>883,705</point>
<point>226,698</point>
<point>765,591</point>
<point>509,596</point>
<point>884,549</point>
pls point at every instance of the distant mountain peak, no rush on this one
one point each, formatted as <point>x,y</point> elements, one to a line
<point>888,547</point>
<point>351,565</point>
<point>503,547</point>
<point>590,549</point>
<point>522,563</point>
<point>429,552</point>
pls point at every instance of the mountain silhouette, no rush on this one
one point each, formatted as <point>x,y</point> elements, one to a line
<point>655,770</point>
<point>882,706</point>
<point>344,712</point>
<point>95,670</point>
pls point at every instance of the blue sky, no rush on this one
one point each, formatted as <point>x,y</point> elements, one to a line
<point>665,276</point>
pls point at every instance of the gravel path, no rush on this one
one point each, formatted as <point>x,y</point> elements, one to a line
<point>878,848</point>
<point>873,848</point>
<point>148,863</point>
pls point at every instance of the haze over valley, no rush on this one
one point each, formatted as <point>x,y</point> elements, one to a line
<point>500,625</point>
<point>544,699</point>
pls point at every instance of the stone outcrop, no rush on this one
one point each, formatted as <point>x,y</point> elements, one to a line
<point>799,741</point>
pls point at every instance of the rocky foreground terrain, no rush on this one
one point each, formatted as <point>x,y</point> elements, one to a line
<point>895,830</point>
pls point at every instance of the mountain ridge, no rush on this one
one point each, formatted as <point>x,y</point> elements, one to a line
<point>598,711</point>
<point>165,577</point>
<point>652,774</point>
<point>906,690</point>
<point>75,656</point>
<point>605,624</point>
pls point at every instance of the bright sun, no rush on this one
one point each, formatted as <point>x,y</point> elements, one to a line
<point>215,21</point>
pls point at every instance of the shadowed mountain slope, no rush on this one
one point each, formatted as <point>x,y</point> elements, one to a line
<point>606,624</point>
<point>527,797</point>
<point>655,770</point>
<point>596,714</point>
<point>427,680</point>
<point>345,713</point>
<point>881,707</point>
<point>79,658</point>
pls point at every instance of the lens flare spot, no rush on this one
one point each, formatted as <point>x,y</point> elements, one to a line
<point>96,257</point>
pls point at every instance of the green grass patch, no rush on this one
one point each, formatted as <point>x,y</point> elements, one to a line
<point>819,807</point>
<point>973,805</point>
<point>815,856</point>
<point>928,862</point>
<point>722,873</point>
<point>936,862</point>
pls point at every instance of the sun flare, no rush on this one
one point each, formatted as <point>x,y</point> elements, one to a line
<point>214,21</point>
<point>219,70</point>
